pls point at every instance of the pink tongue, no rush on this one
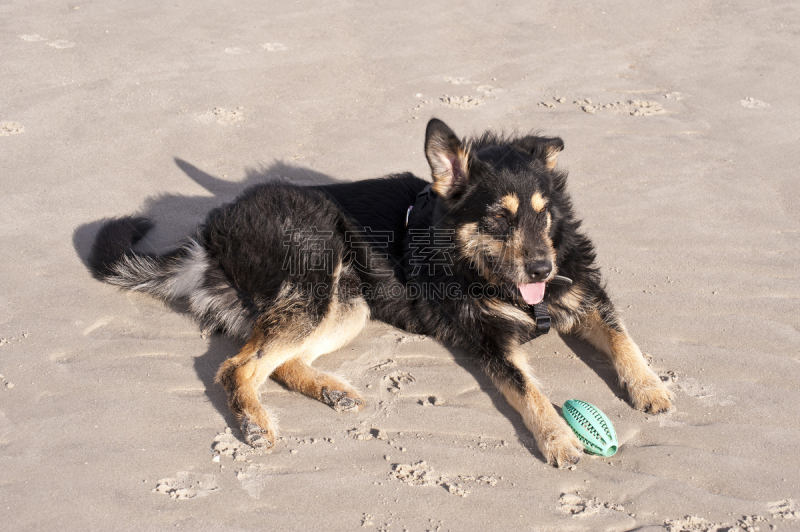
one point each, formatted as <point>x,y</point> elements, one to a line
<point>532,293</point>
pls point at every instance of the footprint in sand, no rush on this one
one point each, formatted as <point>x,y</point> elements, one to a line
<point>254,479</point>
<point>692,523</point>
<point>577,506</point>
<point>187,485</point>
<point>644,108</point>
<point>785,509</point>
<point>389,363</point>
<point>8,128</point>
<point>221,116</point>
<point>416,474</point>
<point>460,102</point>
<point>398,380</point>
<point>433,400</point>
<point>363,434</point>
<point>703,391</point>
<point>421,474</point>
<point>457,102</point>
<point>227,445</point>
<point>600,515</point>
<point>628,107</point>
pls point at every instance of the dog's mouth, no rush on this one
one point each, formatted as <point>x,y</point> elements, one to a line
<point>532,293</point>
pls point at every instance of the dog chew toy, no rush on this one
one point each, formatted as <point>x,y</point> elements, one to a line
<point>591,426</point>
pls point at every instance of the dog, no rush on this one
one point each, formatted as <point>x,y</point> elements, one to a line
<point>485,257</point>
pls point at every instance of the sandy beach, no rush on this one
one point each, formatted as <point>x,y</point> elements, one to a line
<point>680,122</point>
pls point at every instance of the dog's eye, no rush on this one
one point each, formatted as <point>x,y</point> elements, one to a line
<point>500,221</point>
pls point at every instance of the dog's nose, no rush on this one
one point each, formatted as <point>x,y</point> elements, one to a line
<point>539,269</point>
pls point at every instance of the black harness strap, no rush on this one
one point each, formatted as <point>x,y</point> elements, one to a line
<point>418,216</point>
<point>542,319</point>
<point>423,206</point>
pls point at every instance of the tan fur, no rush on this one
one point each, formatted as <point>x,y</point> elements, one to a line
<point>646,390</point>
<point>573,299</point>
<point>303,378</point>
<point>496,307</point>
<point>512,254</point>
<point>468,245</point>
<point>443,169</point>
<point>342,324</point>
<point>473,245</point>
<point>465,236</point>
<point>241,376</point>
<point>555,439</point>
<point>511,203</point>
<point>439,186</point>
<point>551,156</point>
<point>568,309</point>
<point>538,202</point>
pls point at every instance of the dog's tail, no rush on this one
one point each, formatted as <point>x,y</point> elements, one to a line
<point>114,261</point>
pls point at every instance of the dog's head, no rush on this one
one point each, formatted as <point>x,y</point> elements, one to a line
<point>502,199</point>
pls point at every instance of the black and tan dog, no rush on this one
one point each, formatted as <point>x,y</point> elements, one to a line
<point>473,260</point>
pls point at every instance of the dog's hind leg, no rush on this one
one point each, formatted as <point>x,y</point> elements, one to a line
<point>283,343</point>
<point>241,377</point>
<point>343,322</point>
<point>278,335</point>
<point>303,378</point>
<point>556,441</point>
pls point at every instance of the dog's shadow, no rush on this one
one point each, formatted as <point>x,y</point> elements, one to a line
<point>219,349</point>
<point>599,362</point>
<point>498,401</point>
<point>177,217</point>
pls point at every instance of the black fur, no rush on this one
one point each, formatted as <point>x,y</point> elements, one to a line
<point>116,239</point>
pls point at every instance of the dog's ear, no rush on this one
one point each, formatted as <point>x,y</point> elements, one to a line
<point>543,148</point>
<point>448,158</point>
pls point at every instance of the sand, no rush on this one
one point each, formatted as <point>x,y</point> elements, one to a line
<point>681,128</point>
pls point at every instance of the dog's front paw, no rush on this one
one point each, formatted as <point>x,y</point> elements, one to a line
<point>650,395</point>
<point>256,436</point>
<point>342,401</point>
<point>560,446</point>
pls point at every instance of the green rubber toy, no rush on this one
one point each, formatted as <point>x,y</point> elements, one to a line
<point>591,426</point>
